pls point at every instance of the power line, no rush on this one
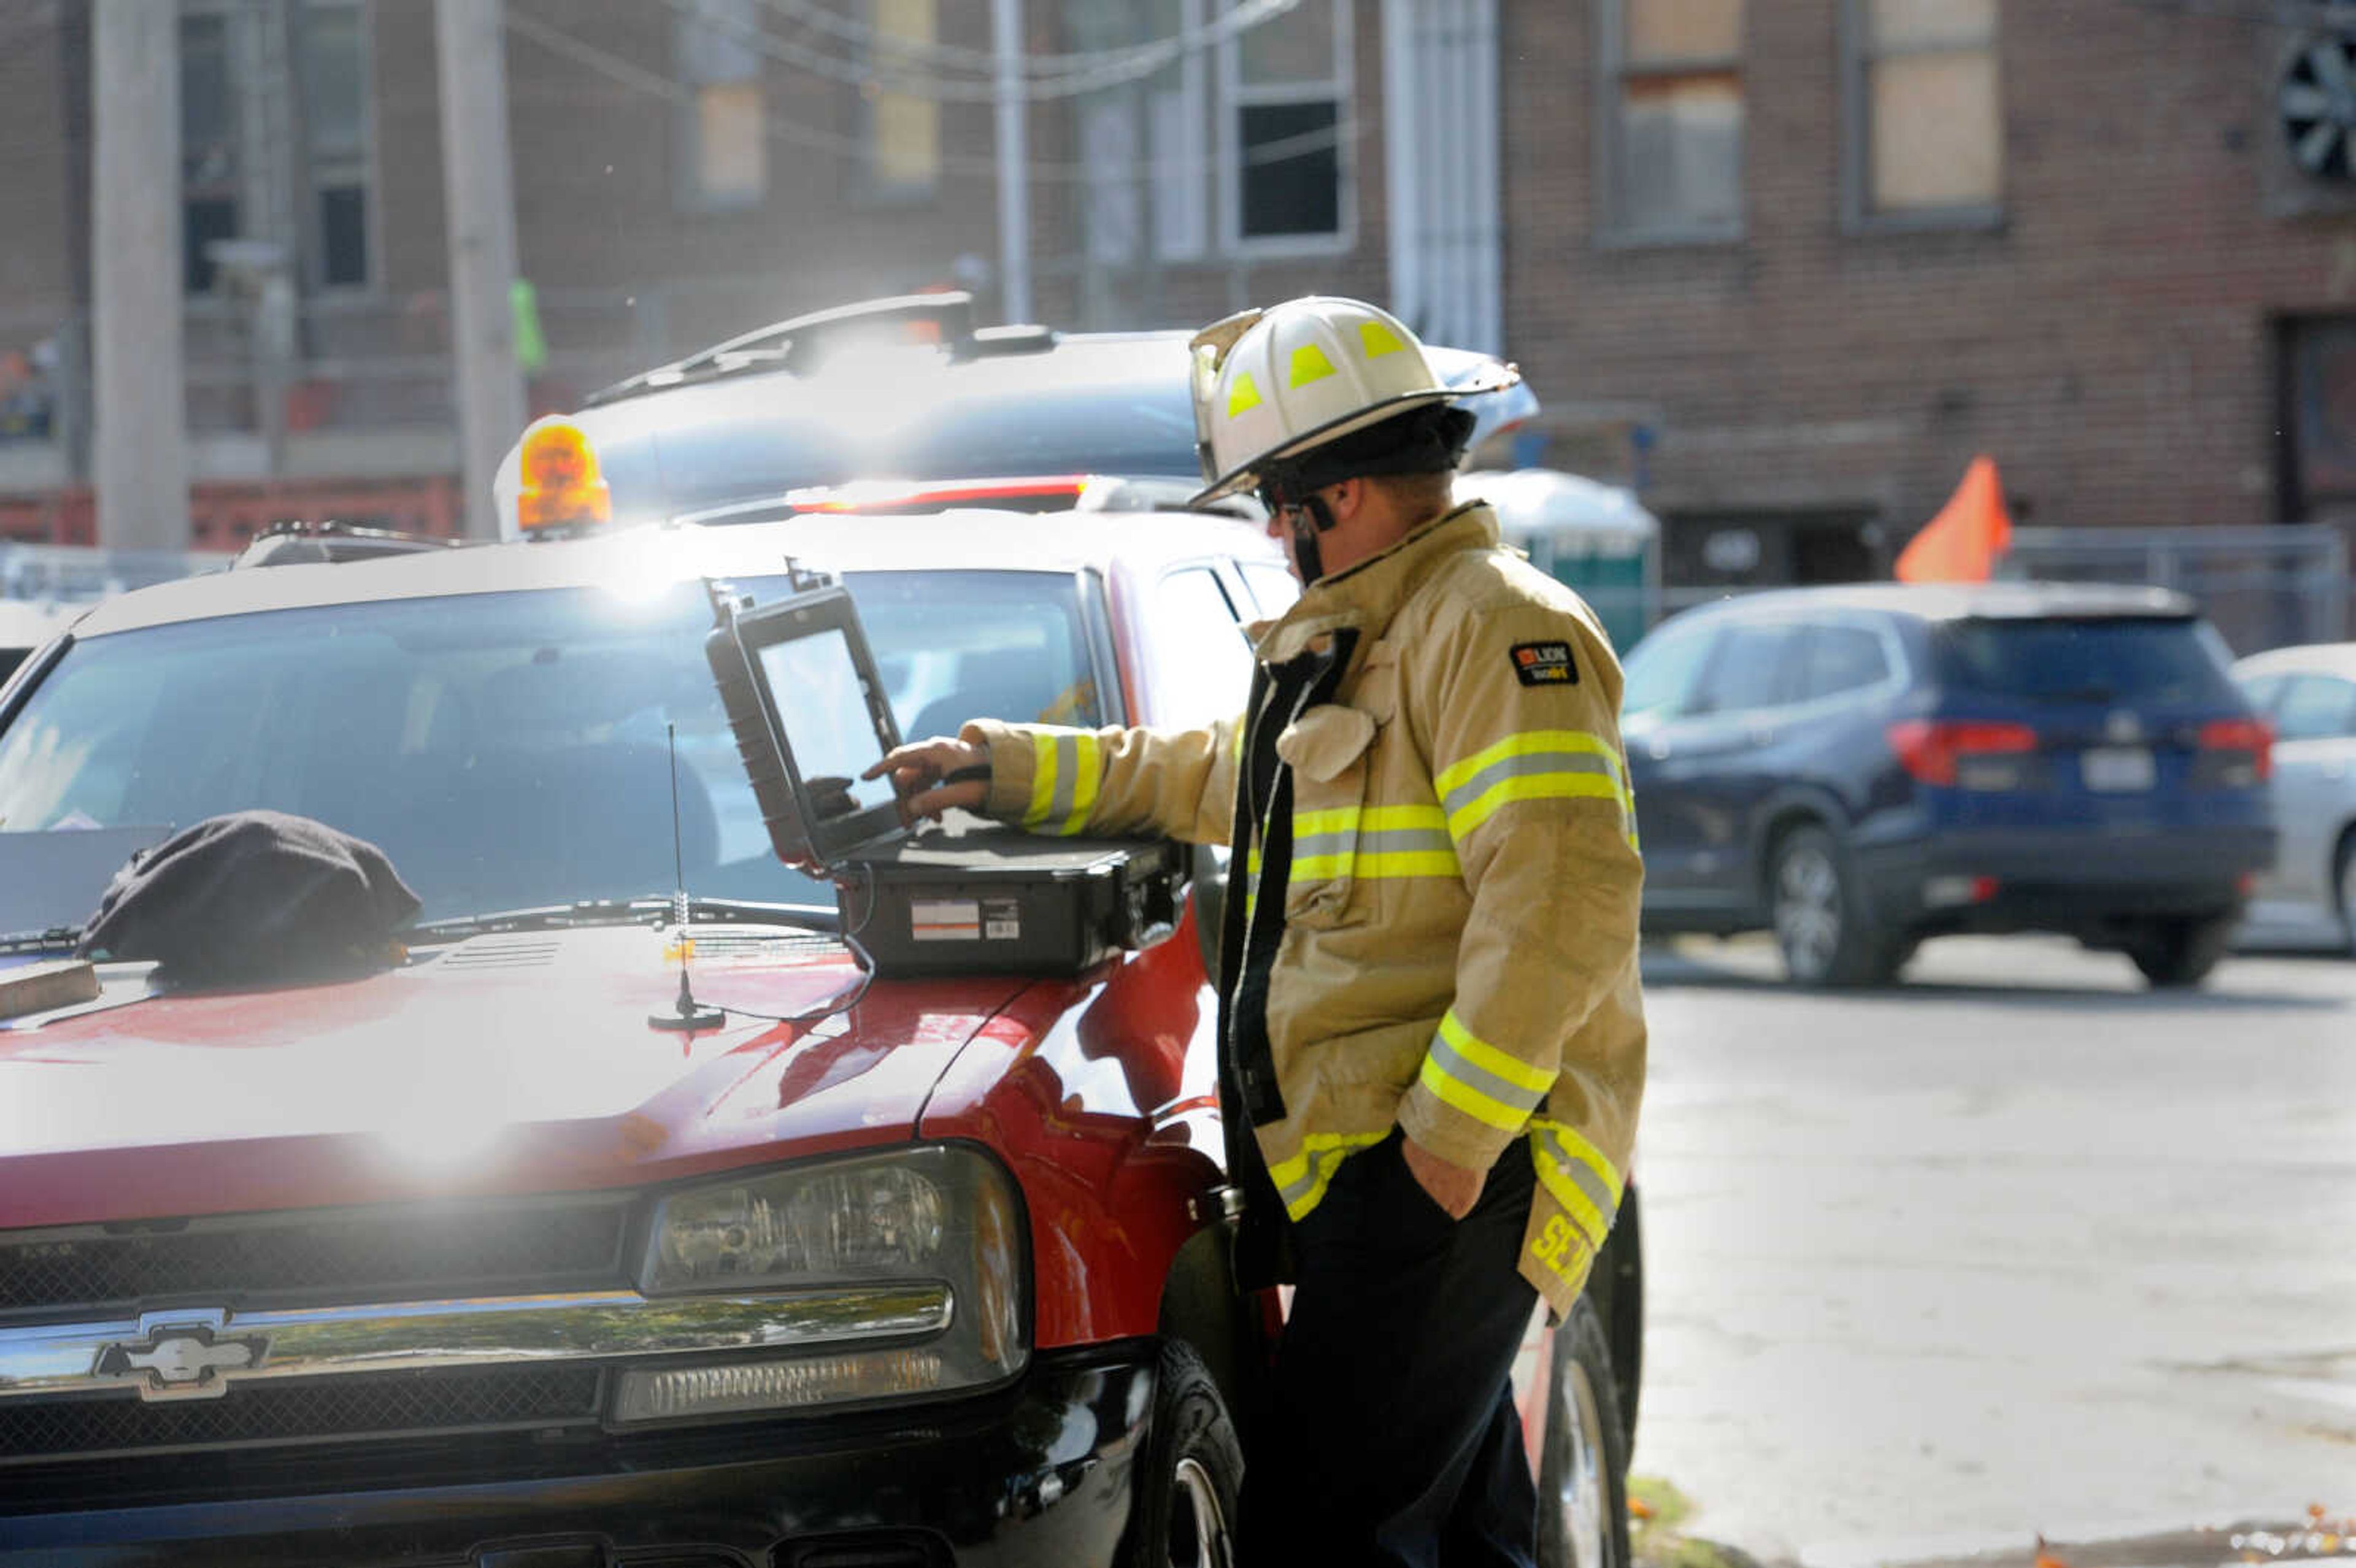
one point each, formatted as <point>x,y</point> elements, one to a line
<point>638,79</point>
<point>1188,40</point>
<point>1146,59</point>
<point>825,19</point>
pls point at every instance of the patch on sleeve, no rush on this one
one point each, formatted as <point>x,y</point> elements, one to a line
<point>1545,664</point>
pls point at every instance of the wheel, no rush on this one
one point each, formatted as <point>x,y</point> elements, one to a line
<point>1583,1468</point>
<point>1192,1472</point>
<point>2181,952</point>
<point>1826,937</point>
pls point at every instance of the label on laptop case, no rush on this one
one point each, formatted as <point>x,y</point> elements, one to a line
<point>945,920</point>
<point>1001,920</point>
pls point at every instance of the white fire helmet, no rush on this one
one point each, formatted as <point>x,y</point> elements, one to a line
<point>1272,385</point>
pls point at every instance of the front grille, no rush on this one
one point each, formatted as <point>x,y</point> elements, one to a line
<point>407,1255</point>
<point>393,1404</point>
<point>868,1549</point>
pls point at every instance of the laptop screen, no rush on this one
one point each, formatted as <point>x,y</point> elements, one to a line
<point>825,710</point>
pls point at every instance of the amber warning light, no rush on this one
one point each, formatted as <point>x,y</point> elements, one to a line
<point>562,487</point>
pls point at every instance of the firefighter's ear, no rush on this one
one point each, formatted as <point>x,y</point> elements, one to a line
<point>1346,499</point>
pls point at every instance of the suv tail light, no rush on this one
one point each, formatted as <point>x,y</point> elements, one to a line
<point>1940,752</point>
<point>2253,738</point>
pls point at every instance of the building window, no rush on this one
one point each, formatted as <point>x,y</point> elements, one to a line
<point>1285,87</point>
<point>723,125</point>
<point>903,128</point>
<point>1671,140</point>
<point>212,167</point>
<point>1143,143</point>
<point>277,139</point>
<point>1925,111</point>
<point>332,68</point>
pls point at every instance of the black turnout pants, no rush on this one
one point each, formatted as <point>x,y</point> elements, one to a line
<point>1394,1439</point>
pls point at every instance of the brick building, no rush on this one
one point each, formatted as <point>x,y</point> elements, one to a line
<point>1785,265</point>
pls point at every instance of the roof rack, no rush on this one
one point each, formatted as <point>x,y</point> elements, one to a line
<point>792,344</point>
<point>298,543</point>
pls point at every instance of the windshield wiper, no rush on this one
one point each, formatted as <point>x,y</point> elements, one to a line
<point>650,909</point>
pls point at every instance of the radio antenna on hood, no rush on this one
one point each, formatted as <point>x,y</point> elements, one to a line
<point>685,1017</point>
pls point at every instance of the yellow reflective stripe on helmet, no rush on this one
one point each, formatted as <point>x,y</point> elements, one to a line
<point>1310,364</point>
<point>1484,1082</point>
<point>1537,764</point>
<point>1577,1176</point>
<point>1067,770</point>
<point>1301,1181</point>
<point>1377,340</point>
<point>1243,396</point>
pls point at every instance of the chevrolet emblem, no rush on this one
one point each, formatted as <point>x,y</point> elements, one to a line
<point>181,1355</point>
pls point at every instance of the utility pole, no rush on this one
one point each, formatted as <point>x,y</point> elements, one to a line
<point>1013,163</point>
<point>479,185</point>
<point>139,389</point>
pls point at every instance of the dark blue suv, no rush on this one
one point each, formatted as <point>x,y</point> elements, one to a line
<point>1858,769</point>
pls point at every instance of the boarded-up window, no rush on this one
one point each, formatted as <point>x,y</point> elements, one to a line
<point>724,125</point>
<point>1930,102</point>
<point>1676,137</point>
<point>903,128</point>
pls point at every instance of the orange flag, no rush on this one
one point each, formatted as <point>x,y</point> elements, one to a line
<point>1968,536</point>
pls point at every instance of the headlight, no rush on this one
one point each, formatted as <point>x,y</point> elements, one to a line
<point>938,1222</point>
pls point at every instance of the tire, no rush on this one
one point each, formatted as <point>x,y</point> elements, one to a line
<point>1190,1475</point>
<point>1583,1470</point>
<point>1821,924</point>
<point>2178,953</point>
<point>2344,884</point>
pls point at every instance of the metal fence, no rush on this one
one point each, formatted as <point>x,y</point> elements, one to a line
<point>68,574</point>
<point>2262,587</point>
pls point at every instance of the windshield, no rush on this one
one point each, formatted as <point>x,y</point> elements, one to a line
<point>506,749</point>
<point>2157,661</point>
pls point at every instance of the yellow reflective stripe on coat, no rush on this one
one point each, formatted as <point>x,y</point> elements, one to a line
<point>1301,1181</point>
<point>1537,764</point>
<point>1373,841</point>
<point>1575,1172</point>
<point>1067,768</point>
<point>1484,1082</point>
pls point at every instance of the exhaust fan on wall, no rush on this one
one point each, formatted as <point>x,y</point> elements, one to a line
<point>2316,104</point>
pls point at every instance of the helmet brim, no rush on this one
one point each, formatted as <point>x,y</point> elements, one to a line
<point>1245,476</point>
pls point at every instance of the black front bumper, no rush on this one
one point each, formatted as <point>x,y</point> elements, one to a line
<point>1041,1473</point>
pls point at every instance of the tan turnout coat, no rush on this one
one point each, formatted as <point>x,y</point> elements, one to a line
<point>1459,875</point>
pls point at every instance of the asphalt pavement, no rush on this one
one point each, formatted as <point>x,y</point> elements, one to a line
<point>2016,1248</point>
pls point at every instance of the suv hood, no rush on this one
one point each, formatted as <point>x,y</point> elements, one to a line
<point>501,1064</point>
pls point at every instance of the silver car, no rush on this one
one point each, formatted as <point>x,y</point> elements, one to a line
<point>2310,696</point>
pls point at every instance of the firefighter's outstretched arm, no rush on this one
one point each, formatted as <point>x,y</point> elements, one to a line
<point>1518,707</point>
<point>1180,783</point>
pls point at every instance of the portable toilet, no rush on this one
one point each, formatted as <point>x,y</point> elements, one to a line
<point>1596,539</point>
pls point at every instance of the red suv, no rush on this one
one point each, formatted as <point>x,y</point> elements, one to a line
<point>469,1262</point>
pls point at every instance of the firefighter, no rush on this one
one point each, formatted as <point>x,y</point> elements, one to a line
<point>1430,1015</point>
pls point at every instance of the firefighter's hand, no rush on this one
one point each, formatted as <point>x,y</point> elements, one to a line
<point>933,776</point>
<point>1454,1188</point>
